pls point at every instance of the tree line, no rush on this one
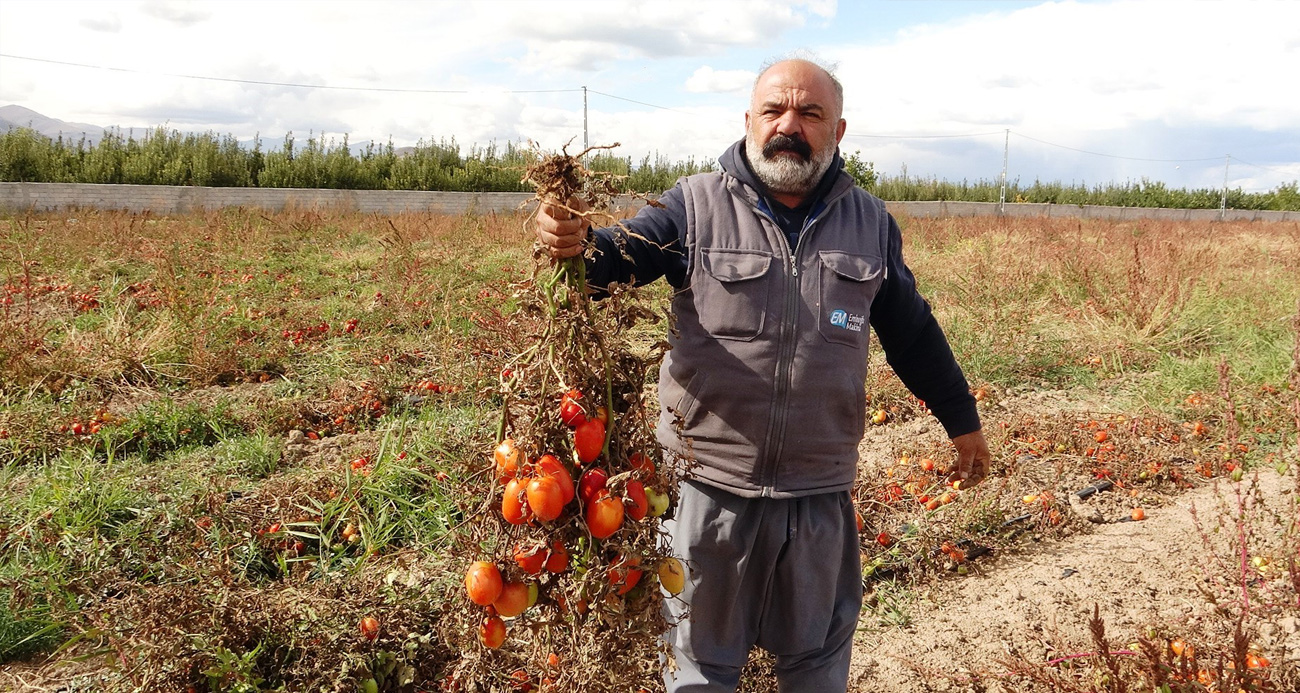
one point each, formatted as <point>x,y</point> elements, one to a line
<point>169,157</point>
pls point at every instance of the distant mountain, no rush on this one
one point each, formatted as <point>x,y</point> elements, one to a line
<point>14,116</point>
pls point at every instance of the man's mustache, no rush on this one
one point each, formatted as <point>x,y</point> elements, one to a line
<point>787,143</point>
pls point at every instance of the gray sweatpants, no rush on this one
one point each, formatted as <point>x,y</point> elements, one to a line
<point>783,574</point>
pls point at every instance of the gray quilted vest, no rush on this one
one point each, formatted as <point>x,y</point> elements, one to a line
<point>764,387</point>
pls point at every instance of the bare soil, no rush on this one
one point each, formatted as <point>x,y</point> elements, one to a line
<point>1029,601</point>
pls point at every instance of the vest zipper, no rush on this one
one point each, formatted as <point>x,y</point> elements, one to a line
<point>766,476</point>
<point>785,359</point>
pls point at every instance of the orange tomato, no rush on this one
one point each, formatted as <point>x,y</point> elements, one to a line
<point>513,599</point>
<point>604,516</point>
<point>508,459</point>
<point>369,627</point>
<point>589,440</point>
<point>927,464</point>
<point>1101,436</point>
<point>492,632</point>
<point>513,507</point>
<point>1254,661</point>
<point>1179,648</point>
<point>551,466</point>
<point>530,560</point>
<point>483,583</point>
<point>557,561</point>
<point>1138,514</point>
<point>545,498</point>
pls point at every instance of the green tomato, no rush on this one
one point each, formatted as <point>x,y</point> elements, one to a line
<point>657,501</point>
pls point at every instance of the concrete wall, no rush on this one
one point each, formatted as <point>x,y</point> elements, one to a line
<point>167,199</point>
<point>164,199</point>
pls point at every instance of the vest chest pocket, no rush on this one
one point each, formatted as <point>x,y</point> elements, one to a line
<point>848,285</point>
<point>731,296</point>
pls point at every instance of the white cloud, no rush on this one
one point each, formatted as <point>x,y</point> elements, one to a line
<point>109,23</point>
<point>707,80</point>
<point>663,29</point>
<point>176,11</point>
<point>1065,69</point>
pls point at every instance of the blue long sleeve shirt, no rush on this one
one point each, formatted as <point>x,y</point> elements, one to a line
<point>651,246</point>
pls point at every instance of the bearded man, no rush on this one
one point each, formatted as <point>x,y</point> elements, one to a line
<point>779,263</point>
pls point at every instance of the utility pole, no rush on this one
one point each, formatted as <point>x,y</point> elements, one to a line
<point>1002,197</point>
<point>1223,201</point>
<point>585,144</point>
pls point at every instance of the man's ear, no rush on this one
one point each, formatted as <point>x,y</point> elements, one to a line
<point>839,129</point>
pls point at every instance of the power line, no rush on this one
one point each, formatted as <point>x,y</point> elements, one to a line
<point>1109,156</point>
<point>641,103</point>
<point>922,137</point>
<point>1266,168</point>
<point>295,85</point>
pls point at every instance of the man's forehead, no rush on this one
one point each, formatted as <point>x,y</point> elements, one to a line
<point>795,81</point>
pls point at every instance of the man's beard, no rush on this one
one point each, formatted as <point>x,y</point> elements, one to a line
<point>783,174</point>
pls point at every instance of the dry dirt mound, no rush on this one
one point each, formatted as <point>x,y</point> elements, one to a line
<point>1139,574</point>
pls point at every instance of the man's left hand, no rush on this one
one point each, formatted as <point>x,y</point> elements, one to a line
<point>973,458</point>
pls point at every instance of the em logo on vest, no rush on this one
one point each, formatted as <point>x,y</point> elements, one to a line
<point>852,323</point>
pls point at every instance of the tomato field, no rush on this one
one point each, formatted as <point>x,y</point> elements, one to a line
<point>244,451</point>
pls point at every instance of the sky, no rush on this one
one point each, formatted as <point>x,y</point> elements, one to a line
<point>1183,92</point>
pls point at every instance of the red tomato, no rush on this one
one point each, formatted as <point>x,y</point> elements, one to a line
<point>635,499</point>
<point>493,632</point>
<point>513,599</point>
<point>592,482</point>
<point>604,516</point>
<point>571,412</point>
<point>369,628</point>
<point>641,463</point>
<point>558,560</point>
<point>483,583</point>
<point>588,440</point>
<point>551,466</point>
<point>545,498</point>
<point>513,507</point>
<point>530,560</point>
<point>624,574</point>
<point>509,459</point>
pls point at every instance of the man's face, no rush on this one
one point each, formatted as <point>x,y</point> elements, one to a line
<point>793,127</point>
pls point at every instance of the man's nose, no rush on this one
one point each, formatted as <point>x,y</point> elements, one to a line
<point>788,123</point>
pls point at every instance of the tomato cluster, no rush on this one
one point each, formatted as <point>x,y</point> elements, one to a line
<point>540,493</point>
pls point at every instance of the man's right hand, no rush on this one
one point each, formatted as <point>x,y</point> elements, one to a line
<point>560,231</point>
